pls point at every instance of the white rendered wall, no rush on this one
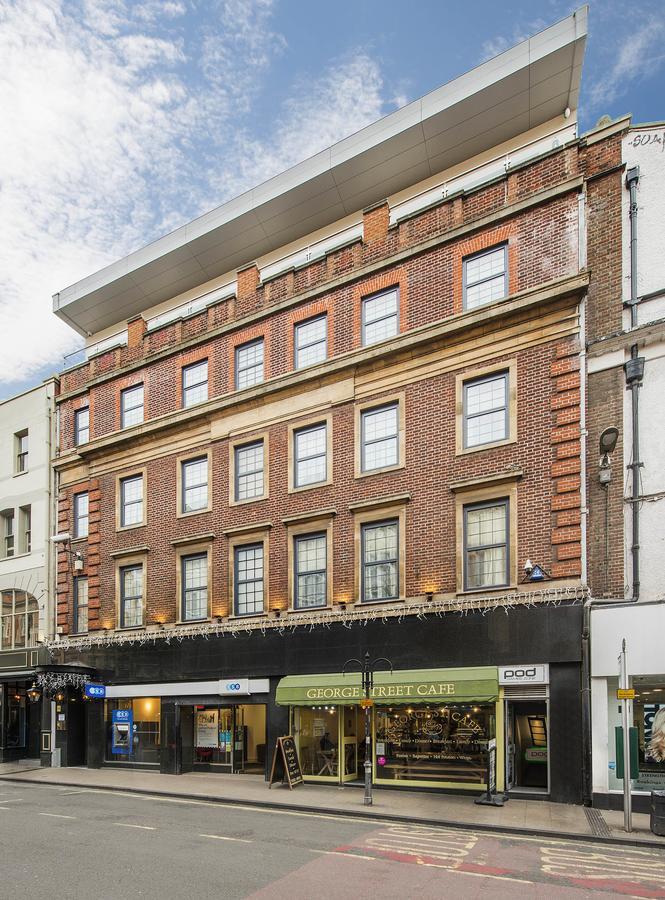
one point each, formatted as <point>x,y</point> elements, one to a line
<point>29,571</point>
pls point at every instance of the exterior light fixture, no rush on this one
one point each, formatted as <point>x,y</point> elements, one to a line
<point>60,696</point>
<point>33,693</point>
<point>607,444</point>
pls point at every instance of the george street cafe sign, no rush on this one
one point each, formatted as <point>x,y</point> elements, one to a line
<point>407,686</point>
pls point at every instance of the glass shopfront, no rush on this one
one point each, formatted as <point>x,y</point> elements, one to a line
<point>427,727</point>
<point>135,736</point>
<point>230,738</point>
<point>649,720</point>
<point>434,743</point>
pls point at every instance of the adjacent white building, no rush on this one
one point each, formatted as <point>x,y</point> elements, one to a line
<point>640,622</point>
<point>27,577</point>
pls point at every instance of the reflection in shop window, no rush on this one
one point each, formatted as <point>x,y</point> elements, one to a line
<point>145,741</point>
<point>434,743</point>
<point>317,737</point>
<point>20,620</point>
<point>649,719</point>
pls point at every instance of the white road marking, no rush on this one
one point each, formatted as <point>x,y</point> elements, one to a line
<point>69,793</point>
<point>14,800</point>
<point>129,825</point>
<point>222,837</point>
<point>7,808</point>
<point>57,816</point>
<point>345,855</point>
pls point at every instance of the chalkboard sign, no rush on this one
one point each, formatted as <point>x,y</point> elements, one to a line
<point>285,763</point>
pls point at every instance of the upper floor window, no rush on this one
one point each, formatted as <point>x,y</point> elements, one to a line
<point>25,532</point>
<point>80,605</point>
<point>379,437</point>
<point>131,501</point>
<point>82,425</point>
<point>194,579</point>
<point>21,444</point>
<point>249,364</point>
<point>195,383</point>
<point>486,410</point>
<point>485,277</point>
<point>311,342</point>
<point>19,612</point>
<point>310,455</point>
<point>8,547</point>
<point>380,560</point>
<point>248,587</point>
<point>131,406</point>
<point>249,471</point>
<point>194,484</point>
<point>380,316</point>
<point>81,515</point>
<point>311,571</point>
<point>131,596</point>
<point>486,556</point>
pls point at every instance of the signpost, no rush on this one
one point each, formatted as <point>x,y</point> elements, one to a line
<point>285,763</point>
<point>626,718</point>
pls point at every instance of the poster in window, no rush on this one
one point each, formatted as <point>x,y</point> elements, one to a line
<point>654,733</point>
<point>206,728</point>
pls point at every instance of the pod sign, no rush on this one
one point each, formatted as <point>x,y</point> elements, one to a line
<point>524,674</point>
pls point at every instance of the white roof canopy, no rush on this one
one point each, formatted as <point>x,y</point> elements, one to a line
<point>520,89</point>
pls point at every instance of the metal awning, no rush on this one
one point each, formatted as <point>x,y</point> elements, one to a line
<point>528,85</point>
<point>403,687</point>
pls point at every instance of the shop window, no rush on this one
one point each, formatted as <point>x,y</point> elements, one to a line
<point>317,736</point>
<point>194,580</point>
<point>80,605</point>
<point>433,744</point>
<point>195,383</point>
<point>486,534</point>
<point>249,475</point>
<point>649,719</point>
<point>21,445</point>
<point>310,455</point>
<point>131,501</point>
<point>310,581</point>
<point>486,410</point>
<point>19,628</point>
<point>194,481</point>
<point>379,430</point>
<point>131,406</point>
<point>485,277</point>
<point>81,510</point>
<point>82,426</point>
<point>380,316</point>
<point>249,364</point>
<point>380,561</point>
<point>311,342</point>
<point>8,537</point>
<point>141,742</point>
<point>25,534</point>
<point>15,720</point>
<point>131,596</point>
<point>248,579</point>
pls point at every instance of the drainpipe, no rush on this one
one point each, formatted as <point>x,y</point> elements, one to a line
<point>634,370</point>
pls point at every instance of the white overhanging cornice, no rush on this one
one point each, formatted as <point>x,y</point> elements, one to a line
<point>520,89</point>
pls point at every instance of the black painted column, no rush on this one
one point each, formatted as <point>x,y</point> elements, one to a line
<point>45,730</point>
<point>96,733</point>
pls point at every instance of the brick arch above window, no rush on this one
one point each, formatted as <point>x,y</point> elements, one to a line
<point>394,278</point>
<point>484,240</point>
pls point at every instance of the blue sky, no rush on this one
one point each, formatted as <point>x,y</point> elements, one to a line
<point>122,120</point>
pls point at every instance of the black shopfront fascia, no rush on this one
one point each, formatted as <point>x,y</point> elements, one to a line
<point>546,634</point>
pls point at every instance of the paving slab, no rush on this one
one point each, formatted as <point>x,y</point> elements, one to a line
<point>517,815</point>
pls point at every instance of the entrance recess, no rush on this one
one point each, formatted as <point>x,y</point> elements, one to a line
<point>229,738</point>
<point>527,754</point>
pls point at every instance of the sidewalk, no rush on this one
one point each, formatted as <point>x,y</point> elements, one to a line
<point>535,817</point>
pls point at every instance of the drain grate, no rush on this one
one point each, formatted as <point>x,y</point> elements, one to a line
<point>597,824</point>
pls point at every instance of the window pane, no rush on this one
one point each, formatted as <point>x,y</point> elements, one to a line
<point>311,342</point>
<point>195,586</point>
<point>249,364</point>
<point>380,542</point>
<point>311,456</point>
<point>486,525</point>
<point>249,580</point>
<point>485,265</point>
<point>195,384</point>
<point>132,501</point>
<point>486,567</point>
<point>81,515</point>
<point>132,406</point>
<point>311,571</point>
<point>249,471</point>
<point>483,396</point>
<point>380,423</point>
<point>486,292</point>
<point>195,484</point>
<point>486,429</point>
<point>81,598</point>
<point>380,447</point>
<point>133,581</point>
<point>381,581</point>
<point>380,307</point>
<point>82,425</point>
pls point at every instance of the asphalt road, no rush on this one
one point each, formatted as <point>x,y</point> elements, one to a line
<point>59,842</point>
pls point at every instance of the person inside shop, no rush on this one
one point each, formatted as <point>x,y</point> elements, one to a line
<point>325,743</point>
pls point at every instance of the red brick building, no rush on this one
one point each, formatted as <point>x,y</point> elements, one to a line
<point>343,415</point>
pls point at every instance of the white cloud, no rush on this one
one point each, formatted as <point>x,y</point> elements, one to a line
<point>116,124</point>
<point>637,55</point>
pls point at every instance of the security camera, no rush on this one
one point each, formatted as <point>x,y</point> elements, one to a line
<point>62,538</point>
<point>528,567</point>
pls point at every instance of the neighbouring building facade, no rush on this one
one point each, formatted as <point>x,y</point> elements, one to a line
<point>27,561</point>
<point>344,414</point>
<point>626,382</point>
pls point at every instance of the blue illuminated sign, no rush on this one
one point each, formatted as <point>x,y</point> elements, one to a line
<point>122,728</point>
<point>95,691</point>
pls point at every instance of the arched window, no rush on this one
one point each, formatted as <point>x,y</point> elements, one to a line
<point>19,628</point>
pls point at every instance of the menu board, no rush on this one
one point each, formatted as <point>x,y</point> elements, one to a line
<point>206,728</point>
<point>285,763</point>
